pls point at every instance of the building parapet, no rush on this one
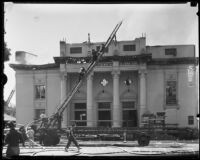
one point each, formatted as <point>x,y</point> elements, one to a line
<point>106,61</point>
<point>140,57</point>
<point>34,67</point>
<point>172,61</point>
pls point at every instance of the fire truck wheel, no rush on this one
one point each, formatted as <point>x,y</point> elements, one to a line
<point>143,140</point>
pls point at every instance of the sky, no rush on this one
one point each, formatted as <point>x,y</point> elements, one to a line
<point>38,28</point>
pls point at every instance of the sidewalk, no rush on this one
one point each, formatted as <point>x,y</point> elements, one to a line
<point>129,143</point>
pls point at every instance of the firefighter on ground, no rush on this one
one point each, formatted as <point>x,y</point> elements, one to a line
<point>30,134</point>
<point>43,127</point>
<point>71,138</point>
<point>13,139</point>
<point>81,73</point>
<point>23,133</point>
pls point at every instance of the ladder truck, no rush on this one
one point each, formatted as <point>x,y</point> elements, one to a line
<point>50,127</point>
<point>10,97</point>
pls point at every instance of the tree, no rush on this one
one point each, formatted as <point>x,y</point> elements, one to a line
<point>6,52</point>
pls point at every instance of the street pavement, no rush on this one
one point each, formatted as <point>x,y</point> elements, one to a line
<point>113,148</point>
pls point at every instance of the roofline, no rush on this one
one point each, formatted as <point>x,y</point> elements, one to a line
<point>92,43</point>
<point>171,45</point>
<point>34,67</point>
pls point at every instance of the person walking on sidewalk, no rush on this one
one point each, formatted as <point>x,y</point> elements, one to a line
<point>71,138</point>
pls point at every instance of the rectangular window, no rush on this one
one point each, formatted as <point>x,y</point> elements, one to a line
<point>171,93</point>
<point>128,105</point>
<point>104,105</point>
<point>40,91</point>
<point>129,47</point>
<point>38,112</point>
<point>190,120</point>
<point>75,50</point>
<point>170,51</point>
<point>80,114</point>
<point>104,114</point>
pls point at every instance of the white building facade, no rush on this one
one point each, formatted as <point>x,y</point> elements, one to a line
<point>161,79</point>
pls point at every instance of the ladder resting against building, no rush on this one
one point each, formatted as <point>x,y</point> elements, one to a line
<point>56,117</point>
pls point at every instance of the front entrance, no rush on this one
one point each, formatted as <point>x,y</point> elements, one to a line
<point>104,114</point>
<point>129,114</point>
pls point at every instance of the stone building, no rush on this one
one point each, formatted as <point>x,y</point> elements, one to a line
<point>131,79</point>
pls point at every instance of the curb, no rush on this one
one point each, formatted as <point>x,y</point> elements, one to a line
<point>104,145</point>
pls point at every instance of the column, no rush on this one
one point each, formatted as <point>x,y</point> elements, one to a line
<point>62,98</point>
<point>63,77</point>
<point>116,102</point>
<point>90,107</point>
<point>142,100</point>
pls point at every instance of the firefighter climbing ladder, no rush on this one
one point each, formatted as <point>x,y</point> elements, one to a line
<point>89,69</point>
<point>62,107</point>
<point>54,118</point>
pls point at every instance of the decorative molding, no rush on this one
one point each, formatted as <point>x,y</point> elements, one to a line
<point>115,73</point>
<point>80,95</point>
<point>142,72</point>
<point>131,94</point>
<point>122,59</point>
<point>165,107</point>
<point>106,95</point>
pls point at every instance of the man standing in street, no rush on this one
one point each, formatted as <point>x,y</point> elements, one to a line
<point>13,138</point>
<point>71,138</point>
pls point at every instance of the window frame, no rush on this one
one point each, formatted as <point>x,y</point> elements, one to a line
<point>75,50</point>
<point>108,121</point>
<point>76,110</point>
<point>170,51</point>
<point>39,93</point>
<point>167,102</point>
<point>190,119</point>
<point>129,47</point>
<point>171,75</point>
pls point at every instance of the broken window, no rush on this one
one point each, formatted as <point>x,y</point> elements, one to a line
<point>40,91</point>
